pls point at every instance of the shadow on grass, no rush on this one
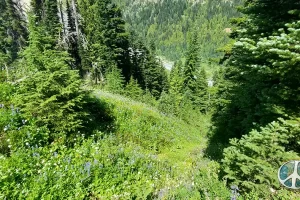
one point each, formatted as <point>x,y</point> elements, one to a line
<point>215,147</point>
<point>100,116</point>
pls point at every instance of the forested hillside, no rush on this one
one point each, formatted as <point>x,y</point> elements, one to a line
<point>87,110</point>
<point>170,24</point>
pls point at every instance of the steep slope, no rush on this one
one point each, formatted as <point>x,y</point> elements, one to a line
<point>136,153</point>
<point>169,23</point>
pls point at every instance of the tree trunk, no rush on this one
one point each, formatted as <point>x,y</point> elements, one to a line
<point>76,19</point>
<point>62,18</point>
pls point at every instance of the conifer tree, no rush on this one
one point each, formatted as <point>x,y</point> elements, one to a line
<point>263,72</point>
<point>155,76</point>
<point>50,93</point>
<point>13,34</point>
<point>114,81</point>
<point>202,98</point>
<point>37,7</point>
<point>105,32</point>
<point>133,90</point>
<point>191,66</point>
<point>138,54</point>
<point>51,17</point>
<point>176,83</point>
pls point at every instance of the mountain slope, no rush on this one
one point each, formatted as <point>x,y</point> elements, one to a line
<point>169,23</point>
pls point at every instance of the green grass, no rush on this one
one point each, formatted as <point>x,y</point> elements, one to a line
<point>136,153</point>
<point>170,138</point>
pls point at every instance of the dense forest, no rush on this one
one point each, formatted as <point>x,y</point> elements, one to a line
<point>171,23</point>
<point>88,110</point>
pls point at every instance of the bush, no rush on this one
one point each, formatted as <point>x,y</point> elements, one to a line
<point>253,161</point>
<point>102,170</point>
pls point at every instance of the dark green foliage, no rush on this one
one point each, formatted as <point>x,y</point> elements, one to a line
<point>13,35</point>
<point>264,73</point>
<point>51,93</point>
<point>107,39</point>
<point>192,64</point>
<point>171,23</point>
<point>155,76</point>
<point>37,8</point>
<point>201,90</point>
<point>133,90</point>
<point>253,161</point>
<point>51,19</point>
<point>114,81</point>
<point>73,40</point>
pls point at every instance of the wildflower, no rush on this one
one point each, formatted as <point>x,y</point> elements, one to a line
<point>87,167</point>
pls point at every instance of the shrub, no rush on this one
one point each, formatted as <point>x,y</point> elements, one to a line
<point>253,161</point>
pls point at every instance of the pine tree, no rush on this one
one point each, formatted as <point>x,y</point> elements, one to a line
<point>50,93</point>
<point>138,53</point>
<point>133,90</point>
<point>155,76</point>
<point>105,32</point>
<point>176,83</point>
<point>114,81</point>
<point>252,162</point>
<point>263,74</point>
<point>13,34</point>
<point>191,66</point>
<point>37,7</point>
<point>51,18</point>
<point>201,91</point>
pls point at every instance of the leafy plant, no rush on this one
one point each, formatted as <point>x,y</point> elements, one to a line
<point>253,161</point>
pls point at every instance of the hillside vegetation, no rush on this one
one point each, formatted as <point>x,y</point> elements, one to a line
<point>87,110</point>
<point>171,23</point>
<point>137,152</point>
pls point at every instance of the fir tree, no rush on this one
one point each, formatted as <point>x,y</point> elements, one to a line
<point>13,34</point>
<point>155,76</point>
<point>176,83</point>
<point>37,7</point>
<point>262,88</point>
<point>191,66</point>
<point>133,90</point>
<point>105,32</point>
<point>114,81</point>
<point>51,92</point>
<point>201,91</point>
<point>51,18</point>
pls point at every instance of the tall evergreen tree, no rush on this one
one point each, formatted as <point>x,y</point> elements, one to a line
<point>264,72</point>
<point>156,80</point>
<point>37,7</point>
<point>13,33</point>
<point>176,83</point>
<point>51,19</point>
<point>51,92</point>
<point>105,32</point>
<point>191,66</point>
<point>202,96</point>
